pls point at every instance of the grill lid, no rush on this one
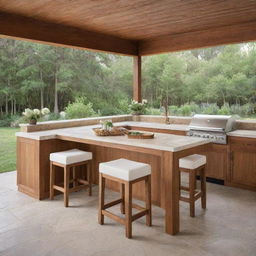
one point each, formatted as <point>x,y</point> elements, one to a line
<point>218,123</point>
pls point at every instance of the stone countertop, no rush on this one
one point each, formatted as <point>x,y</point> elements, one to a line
<point>243,133</point>
<point>166,142</point>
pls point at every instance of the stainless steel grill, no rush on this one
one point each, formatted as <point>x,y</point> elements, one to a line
<point>212,127</point>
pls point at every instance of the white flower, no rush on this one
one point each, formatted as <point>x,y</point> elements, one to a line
<point>36,111</point>
<point>28,112</point>
<point>45,111</point>
<point>62,114</point>
<point>144,101</point>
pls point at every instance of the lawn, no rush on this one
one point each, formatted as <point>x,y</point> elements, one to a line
<point>7,149</point>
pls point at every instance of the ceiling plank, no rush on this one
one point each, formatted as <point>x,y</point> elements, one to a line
<point>12,25</point>
<point>238,33</point>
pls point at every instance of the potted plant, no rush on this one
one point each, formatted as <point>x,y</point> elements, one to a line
<point>33,115</point>
<point>138,108</point>
<point>106,125</point>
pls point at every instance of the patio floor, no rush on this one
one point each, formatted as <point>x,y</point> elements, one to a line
<point>32,227</point>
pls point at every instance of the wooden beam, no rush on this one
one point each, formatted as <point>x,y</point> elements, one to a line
<point>137,78</point>
<point>20,27</point>
<point>238,33</point>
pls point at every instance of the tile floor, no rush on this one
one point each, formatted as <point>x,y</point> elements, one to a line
<point>46,228</point>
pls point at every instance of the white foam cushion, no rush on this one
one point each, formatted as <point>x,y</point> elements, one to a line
<point>192,161</point>
<point>70,156</point>
<point>125,169</point>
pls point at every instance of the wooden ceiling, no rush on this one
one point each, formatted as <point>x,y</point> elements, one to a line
<point>130,26</point>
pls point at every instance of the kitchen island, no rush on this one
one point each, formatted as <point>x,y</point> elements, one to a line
<point>162,153</point>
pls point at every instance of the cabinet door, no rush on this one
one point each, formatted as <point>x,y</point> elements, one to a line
<point>242,170</point>
<point>216,161</point>
<point>243,167</point>
<point>27,166</point>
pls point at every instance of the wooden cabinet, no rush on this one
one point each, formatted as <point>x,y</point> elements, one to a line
<point>242,163</point>
<point>216,154</point>
<point>33,165</point>
<point>27,170</point>
<point>216,161</point>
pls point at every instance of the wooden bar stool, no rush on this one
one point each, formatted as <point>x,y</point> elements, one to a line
<point>194,164</point>
<point>69,160</point>
<point>126,173</point>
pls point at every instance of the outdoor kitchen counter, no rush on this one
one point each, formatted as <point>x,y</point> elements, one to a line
<point>172,127</point>
<point>162,141</point>
<point>243,133</point>
<point>50,134</point>
<point>162,153</point>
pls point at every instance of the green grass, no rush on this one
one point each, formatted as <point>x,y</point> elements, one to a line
<point>7,149</point>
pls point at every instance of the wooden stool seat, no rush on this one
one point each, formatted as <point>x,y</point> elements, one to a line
<point>126,173</point>
<point>68,160</point>
<point>194,164</point>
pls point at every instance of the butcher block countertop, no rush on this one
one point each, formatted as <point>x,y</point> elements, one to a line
<point>162,141</point>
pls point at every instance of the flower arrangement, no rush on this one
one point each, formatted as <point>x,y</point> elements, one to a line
<point>138,108</point>
<point>33,115</point>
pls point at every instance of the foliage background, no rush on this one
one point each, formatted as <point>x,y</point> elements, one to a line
<point>218,80</point>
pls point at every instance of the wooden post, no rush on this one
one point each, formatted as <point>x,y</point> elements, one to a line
<point>137,78</point>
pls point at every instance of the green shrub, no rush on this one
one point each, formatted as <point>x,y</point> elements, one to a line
<point>224,110</point>
<point>173,110</point>
<point>247,109</point>
<point>50,116</point>
<point>106,109</point>
<point>123,106</point>
<point>235,109</point>
<point>195,108</point>
<point>153,111</point>
<point>10,121</point>
<point>79,109</point>
<point>185,110</point>
<point>210,109</point>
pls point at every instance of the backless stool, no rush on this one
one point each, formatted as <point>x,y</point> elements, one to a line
<point>193,165</point>
<point>126,173</point>
<point>69,160</point>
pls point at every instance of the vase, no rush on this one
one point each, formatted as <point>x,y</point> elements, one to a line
<point>136,117</point>
<point>33,121</point>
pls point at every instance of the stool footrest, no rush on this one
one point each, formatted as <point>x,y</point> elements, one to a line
<point>138,207</point>
<point>113,216</point>
<point>77,188</point>
<point>59,188</point>
<point>198,195</point>
<point>139,214</point>
<point>187,199</point>
<point>85,182</point>
<point>184,188</point>
<point>112,203</point>
<point>184,199</point>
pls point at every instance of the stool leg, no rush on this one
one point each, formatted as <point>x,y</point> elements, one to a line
<point>195,180</point>
<point>66,185</point>
<point>122,191</point>
<point>192,176</point>
<point>89,177</point>
<point>203,188</point>
<point>101,198</point>
<point>128,209</point>
<point>74,176</point>
<point>148,200</point>
<point>52,180</point>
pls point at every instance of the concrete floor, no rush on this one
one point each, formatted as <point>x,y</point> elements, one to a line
<point>31,227</point>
